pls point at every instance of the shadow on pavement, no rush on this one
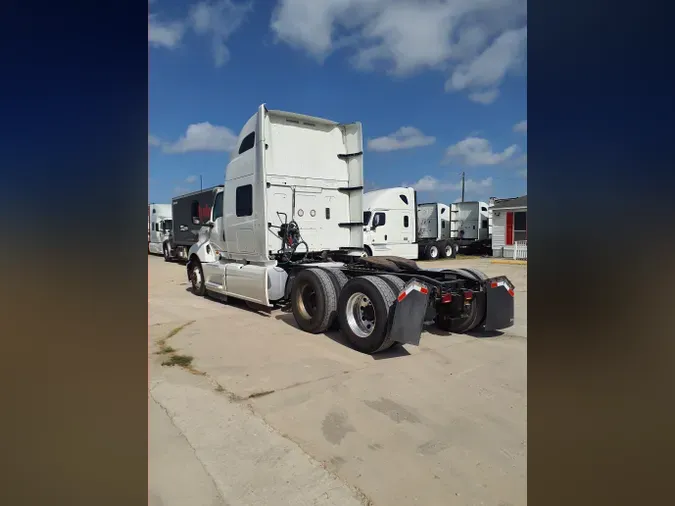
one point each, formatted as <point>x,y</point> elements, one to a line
<point>335,336</point>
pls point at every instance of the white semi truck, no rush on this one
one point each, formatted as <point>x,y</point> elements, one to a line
<point>395,224</point>
<point>287,228</point>
<point>471,225</point>
<point>159,226</point>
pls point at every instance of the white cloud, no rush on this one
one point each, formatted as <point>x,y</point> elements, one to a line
<point>430,183</point>
<point>218,19</point>
<point>402,37</point>
<point>477,151</point>
<point>153,141</point>
<point>191,179</point>
<point>520,126</point>
<point>484,97</point>
<point>164,34</point>
<point>404,138</point>
<point>203,137</point>
<point>485,73</point>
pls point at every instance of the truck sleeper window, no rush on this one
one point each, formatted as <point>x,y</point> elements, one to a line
<point>247,143</point>
<point>244,200</point>
<point>218,207</point>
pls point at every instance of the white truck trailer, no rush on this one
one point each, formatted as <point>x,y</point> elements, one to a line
<point>287,229</point>
<point>395,224</point>
<point>159,226</point>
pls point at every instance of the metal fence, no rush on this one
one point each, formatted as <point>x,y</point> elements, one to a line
<point>520,250</point>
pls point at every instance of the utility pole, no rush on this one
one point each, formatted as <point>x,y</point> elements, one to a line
<point>201,187</point>
<point>462,186</point>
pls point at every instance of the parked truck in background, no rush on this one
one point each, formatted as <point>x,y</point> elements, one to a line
<point>471,226</point>
<point>395,224</point>
<point>159,226</point>
<point>190,211</point>
<point>287,229</point>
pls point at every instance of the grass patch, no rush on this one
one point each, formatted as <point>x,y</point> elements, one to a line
<point>179,360</point>
<point>165,350</point>
<point>178,329</point>
<point>219,388</point>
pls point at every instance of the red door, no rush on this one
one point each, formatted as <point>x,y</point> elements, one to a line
<point>509,229</point>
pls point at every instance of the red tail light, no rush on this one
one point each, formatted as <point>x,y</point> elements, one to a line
<point>446,298</point>
<point>468,295</point>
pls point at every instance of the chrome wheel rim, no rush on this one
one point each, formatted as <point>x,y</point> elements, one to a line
<point>360,314</point>
<point>433,252</point>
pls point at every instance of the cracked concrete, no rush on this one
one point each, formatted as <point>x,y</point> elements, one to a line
<point>284,417</point>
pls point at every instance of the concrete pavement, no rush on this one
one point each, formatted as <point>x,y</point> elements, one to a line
<point>442,423</point>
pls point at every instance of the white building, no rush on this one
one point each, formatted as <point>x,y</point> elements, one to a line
<point>509,228</point>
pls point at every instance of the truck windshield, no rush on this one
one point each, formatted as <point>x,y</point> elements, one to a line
<point>366,217</point>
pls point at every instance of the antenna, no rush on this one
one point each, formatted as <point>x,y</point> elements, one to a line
<point>201,186</point>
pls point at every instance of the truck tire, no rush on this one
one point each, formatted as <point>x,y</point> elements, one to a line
<point>448,250</point>
<point>460,325</point>
<point>479,274</point>
<point>364,309</point>
<point>433,252</point>
<point>394,282</point>
<point>197,278</point>
<point>369,252</point>
<point>313,300</point>
<point>339,280</point>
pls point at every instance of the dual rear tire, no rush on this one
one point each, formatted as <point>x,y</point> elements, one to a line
<point>361,306</point>
<point>441,249</point>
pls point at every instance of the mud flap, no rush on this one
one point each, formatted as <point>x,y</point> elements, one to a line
<point>500,304</point>
<point>409,311</point>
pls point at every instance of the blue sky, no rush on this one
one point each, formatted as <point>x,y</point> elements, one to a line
<point>439,85</point>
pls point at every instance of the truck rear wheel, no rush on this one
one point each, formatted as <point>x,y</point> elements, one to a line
<point>448,250</point>
<point>313,300</point>
<point>474,316</point>
<point>433,252</point>
<point>364,309</point>
<point>394,282</point>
